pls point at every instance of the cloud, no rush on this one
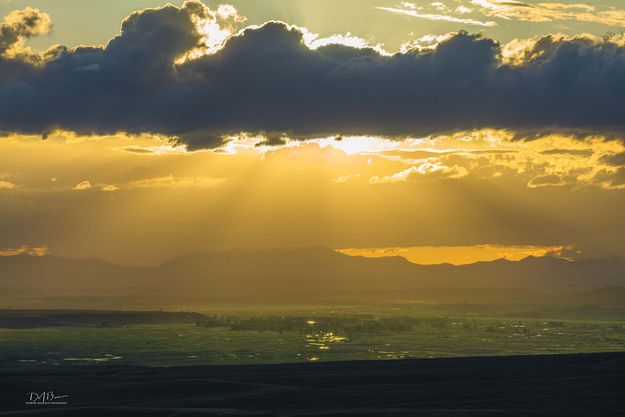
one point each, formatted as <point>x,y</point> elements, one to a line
<point>6,185</point>
<point>25,250</point>
<point>20,25</point>
<point>176,182</point>
<point>615,159</point>
<point>548,160</point>
<point>266,80</point>
<point>610,179</point>
<point>548,12</point>
<point>436,17</point>
<point>213,27</point>
<point>408,5</point>
<point>463,9</point>
<point>550,180</point>
<point>167,181</point>
<point>84,185</point>
<point>137,150</point>
<point>345,178</point>
<point>426,170</point>
<point>152,150</point>
<point>572,152</point>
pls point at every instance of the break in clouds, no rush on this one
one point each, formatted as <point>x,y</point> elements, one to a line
<point>265,79</point>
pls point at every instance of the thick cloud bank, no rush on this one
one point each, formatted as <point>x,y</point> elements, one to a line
<point>265,79</point>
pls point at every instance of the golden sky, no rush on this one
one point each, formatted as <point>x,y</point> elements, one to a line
<point>461,255</point>
<point>142,199</point>
<point>142,185</point>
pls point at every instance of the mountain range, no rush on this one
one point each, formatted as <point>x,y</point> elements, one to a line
<point>319,272</point>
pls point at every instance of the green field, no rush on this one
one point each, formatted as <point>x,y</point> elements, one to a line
<point>312,336</point>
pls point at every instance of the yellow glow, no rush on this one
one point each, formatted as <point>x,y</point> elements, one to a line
<point>215,29</point>
<point>445,188</point>
<point>25,250</point>
<point>458,255</point>
<point>6,185</point>
<point>352,145</point>
<point>83,185</point>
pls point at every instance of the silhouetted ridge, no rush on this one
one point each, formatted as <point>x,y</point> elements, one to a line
<point>315,271</point>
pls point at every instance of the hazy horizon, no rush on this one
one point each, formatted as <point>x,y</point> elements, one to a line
<point>418,255</point>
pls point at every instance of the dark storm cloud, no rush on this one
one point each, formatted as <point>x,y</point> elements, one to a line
<point>266,80</point>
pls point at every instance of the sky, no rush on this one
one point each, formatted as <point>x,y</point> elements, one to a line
<point>391,23</point>
<point>452,131</point>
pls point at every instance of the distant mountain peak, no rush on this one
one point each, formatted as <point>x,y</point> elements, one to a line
<point>544,259</point>
<point>316,270</point>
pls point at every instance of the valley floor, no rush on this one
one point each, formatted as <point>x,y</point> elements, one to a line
<point>552,385</point>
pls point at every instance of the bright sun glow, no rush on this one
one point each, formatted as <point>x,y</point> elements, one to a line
<point>352,145</point>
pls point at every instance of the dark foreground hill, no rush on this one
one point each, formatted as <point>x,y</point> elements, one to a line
<point>542,386</point>
<point>285,274</point>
